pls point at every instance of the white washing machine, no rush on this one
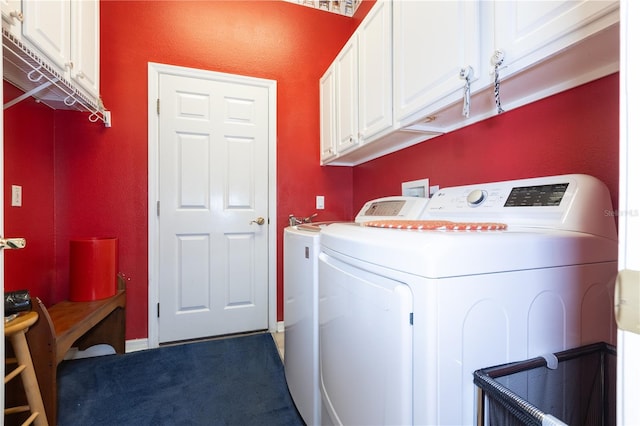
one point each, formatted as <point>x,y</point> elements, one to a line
<point>301,249</point>
<point>407,315</point>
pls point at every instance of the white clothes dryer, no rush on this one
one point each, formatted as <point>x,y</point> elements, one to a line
<point>301,250</point>
<point>493,273</point>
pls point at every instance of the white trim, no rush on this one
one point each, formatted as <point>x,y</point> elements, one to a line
<point>136,345</point>
<point>154,71</point>
<point>2,348</point>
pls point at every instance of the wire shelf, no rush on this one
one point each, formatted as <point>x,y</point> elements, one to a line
<point>34,75</point>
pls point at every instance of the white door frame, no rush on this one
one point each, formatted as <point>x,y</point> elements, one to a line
<point>154,72</point>
<point>2,231</point>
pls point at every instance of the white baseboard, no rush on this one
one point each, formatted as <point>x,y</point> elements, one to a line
<point>136,345</point>
<point>280,327</point>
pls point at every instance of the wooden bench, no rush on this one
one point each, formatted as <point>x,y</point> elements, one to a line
<point>72,324</point>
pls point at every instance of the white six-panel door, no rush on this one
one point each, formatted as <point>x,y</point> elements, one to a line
<point>213,195</point>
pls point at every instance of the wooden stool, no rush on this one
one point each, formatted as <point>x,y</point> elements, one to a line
<point>15,330</point>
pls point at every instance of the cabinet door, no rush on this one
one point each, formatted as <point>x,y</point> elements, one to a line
<point>347,96</point>
<point>432,41</point>
<point>528,31</point>
<point>11,15</point>
<point>375,104</point>
<point>47,26</point>
<point>327,115</point>
<point>85,44</point>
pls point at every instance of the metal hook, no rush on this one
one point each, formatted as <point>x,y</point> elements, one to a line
<point>69,103</point>
<point>467,75</point>
<point>496,60</point>
<point>30,74</point>
<point>94,117</point>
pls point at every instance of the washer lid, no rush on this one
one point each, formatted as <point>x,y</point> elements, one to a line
<point>311,227</point>
<point>440,254</point>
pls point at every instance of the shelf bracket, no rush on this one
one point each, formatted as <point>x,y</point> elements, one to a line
<point>27,94</point>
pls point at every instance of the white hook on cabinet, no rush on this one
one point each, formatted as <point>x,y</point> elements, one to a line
<point>467,75</point>
<point>496,60</point>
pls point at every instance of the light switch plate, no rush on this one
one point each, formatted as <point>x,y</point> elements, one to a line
<point>16,195</point>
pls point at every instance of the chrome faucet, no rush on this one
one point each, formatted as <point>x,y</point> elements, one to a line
<point>293,221</point>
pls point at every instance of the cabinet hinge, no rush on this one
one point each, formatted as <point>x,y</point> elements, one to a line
<point>158,309</point>
<point>158,208</point>
<point>158,106</point>
<point>411,318</point>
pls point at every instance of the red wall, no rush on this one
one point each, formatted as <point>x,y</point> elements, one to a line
<point>29,162</point>
<point>80,179</point>
<point>573,132</point>
<point>100,175</point>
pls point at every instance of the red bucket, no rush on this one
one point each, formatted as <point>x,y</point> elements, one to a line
<point>93,272</point>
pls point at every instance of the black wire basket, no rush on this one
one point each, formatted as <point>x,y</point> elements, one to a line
<point>573,387</point>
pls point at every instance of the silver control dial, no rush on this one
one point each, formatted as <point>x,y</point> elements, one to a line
<point>476,197</point>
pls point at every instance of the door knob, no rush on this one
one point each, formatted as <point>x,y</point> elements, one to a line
<point>259,221</point>
<point>12,243</point>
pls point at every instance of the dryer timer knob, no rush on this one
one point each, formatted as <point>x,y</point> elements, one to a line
<point>476,197</point>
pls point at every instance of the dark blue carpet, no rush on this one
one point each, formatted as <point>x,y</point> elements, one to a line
<point>234,381</point>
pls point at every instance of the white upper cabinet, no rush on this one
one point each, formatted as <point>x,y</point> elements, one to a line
<point>543,47</point>
<point>346,69</point>
<point>47,25</point>
<point>328,148</point>
<point>375,76</point>
<point>356,90</point>
<point>85,44</point>
<point>67,32</point>
<point>528,31</point>
<point>432,42</point>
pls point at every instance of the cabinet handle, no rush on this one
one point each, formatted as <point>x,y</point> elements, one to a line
<point>80,75</point>
<point>17,15</point>
<point>69,65</point>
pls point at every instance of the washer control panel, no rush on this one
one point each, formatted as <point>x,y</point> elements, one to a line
<point>499,195</point>
<point>571,202</point>
<point>538,195</point>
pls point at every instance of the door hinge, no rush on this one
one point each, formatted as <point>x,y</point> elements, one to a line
<point>411,318</point>
<point>158,309</point>
<point>158,106</point>
<point>158,208</point>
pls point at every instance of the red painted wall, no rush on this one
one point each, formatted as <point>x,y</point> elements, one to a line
<point>100,174</point>
<point>29,162</point>
<point>576,131</point>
